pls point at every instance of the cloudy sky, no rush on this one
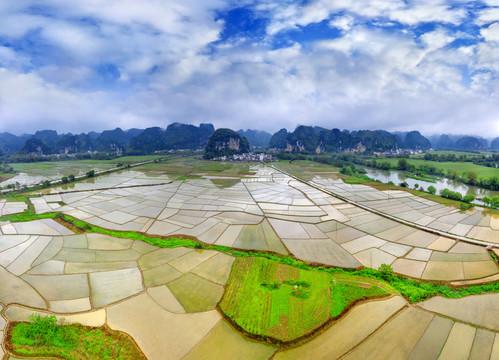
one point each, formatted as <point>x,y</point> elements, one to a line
<point>429,65</point>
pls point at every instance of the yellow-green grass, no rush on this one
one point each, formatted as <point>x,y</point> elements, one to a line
<point>44,338</point>
<point>459,167</point>
<point>271,300</point>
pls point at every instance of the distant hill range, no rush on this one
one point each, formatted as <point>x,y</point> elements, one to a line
<point>256,138</point>
<point>305,139</point>
<point>308,139</point>
<point>462,143</point>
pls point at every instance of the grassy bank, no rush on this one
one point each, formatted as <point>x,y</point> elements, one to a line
<point>43,337</point>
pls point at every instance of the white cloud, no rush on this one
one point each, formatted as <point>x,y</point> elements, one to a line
<point>436,39</point>
<point>491,33</point>
<point>171,69</point>
<point>487,16</point>
<point>344,23</point>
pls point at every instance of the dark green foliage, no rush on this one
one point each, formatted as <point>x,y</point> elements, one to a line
<point>91,173</point>
<point>150,140</point>
<point>386,271</point>
<point>378,140</point>
<point>184,136</point>
<point>10,143</point>
<point>403,164</point>
<point>494,145</point>
<point>271,285</point>
<point>469,143</point>
<point>46,183</point>
<point>308,139</point>
<point>114,140</point>
<point>464,206</point>
<point>414,140</point>
<point>35,146</point>
<point>444,143</point>
<point>449,194</point>
<point>225,142</point>
<point>278,140</point>
<point>432,189</point>
<point>304,139</point>
<point>49,137</point>
<point>176,136</point>
<point>469,198</point>
<point>492,201</point>
<point>70,143</point>
<point>64,180</point>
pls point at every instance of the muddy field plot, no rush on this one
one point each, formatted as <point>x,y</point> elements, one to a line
<point>272,300</point>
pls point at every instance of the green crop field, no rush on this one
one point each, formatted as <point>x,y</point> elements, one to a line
<point>43,337</point>
<point>459,167</point>
<point>281,302</point>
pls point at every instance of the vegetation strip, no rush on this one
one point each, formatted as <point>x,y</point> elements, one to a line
<point>42,336</point>
<point>413,290</point>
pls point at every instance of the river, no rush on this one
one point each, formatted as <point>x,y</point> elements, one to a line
<point>398,176</point>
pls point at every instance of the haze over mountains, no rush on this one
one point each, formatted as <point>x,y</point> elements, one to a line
<point>176,136</point>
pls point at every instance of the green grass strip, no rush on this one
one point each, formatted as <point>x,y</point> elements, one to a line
<point>414,291</point>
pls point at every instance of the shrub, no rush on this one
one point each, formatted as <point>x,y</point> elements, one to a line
<point>71,178</point>
<point>64,180</point>
<point>43,331</point>
<point>91,173</point>
<point>432,189</point>
<point>464,206</point>
<point>386,271</point>
<point>469,198</point>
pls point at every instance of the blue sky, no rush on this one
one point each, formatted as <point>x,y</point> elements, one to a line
<point>429,65</point>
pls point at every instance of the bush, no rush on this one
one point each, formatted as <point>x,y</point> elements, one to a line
<point>449,194</point>
<point>432,189</point>
<point>386,271</point>
<point>71,178</point>
<point>469,198</point>
<point>43,331</point>
<point>464,206</point>
<point>64,180</point>
<point>91,173</point>
<point>46,183</point>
